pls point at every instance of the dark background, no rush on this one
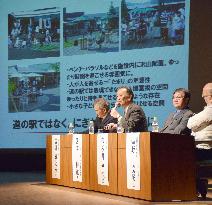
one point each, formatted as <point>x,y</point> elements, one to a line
<point>200,56</point>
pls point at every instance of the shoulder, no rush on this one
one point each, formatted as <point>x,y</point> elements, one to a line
<point>206,113</point>
<point>137,110</point>
<point>135,107</point>
<point>170,115</point>
<point>200,118</point>
<point>97,120</point>
<point>208,109</point>
<point>188,112</point>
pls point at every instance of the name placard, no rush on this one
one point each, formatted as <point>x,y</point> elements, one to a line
<point>56,156</point>
<point>133,161</point>
<point>77,157</point>
<point>102,158</point>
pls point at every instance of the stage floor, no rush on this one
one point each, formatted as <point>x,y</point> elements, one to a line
<point>24,188</point>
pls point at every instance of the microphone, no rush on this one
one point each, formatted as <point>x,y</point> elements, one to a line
<point>114,112</point>
<point>117,104</point>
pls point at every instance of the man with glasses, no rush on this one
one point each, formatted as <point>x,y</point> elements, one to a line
<point>176,122</point>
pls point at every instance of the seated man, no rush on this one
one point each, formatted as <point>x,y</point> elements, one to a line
<point>134,119</point>
<point>103,118</point>
<point>176,123</point>
<point>201,123</point>
<point>201,126</point>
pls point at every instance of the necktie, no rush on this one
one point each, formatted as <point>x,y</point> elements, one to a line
<point>176,113</point>
<point>125,111</point>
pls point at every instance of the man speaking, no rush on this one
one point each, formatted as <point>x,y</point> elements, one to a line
<point>134,119</point>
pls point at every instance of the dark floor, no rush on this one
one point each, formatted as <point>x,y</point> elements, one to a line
<point>29,188</point>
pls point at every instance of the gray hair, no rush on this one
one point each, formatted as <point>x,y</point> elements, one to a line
<point>102,103</point>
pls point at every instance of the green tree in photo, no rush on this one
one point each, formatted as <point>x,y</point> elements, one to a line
<point>11,89</point>
<point>56,68</point>
<point>124,12</point>
<point>112,17</point>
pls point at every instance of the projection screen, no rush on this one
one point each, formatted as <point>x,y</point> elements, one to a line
<point>57,57</point>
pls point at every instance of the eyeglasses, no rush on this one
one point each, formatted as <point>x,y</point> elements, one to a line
<point>178,97</point>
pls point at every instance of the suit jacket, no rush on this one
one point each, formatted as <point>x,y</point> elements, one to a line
<point>178,124</point>
<point>101,123</point>
<point>134,119</point>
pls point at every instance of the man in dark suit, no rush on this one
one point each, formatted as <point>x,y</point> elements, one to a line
<point>134,119</point>
<point>176,122</point>
<point>103,118</point>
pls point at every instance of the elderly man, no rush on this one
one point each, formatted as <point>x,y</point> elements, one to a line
<point>201,126</point>
<point>134,119</point>
<point>103,117</point>
<point>201,123</point>
<point>177,121</point>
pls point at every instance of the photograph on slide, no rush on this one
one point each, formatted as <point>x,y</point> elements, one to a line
<point>34,34</point>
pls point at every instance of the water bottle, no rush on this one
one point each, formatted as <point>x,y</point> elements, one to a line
<point>91,127</point>
<point>71,128</point>
<point>155,126</point>
<point>119,127</point>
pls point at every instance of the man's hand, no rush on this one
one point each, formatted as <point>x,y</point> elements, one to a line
<point>114,113</point>
<point>110,126</point>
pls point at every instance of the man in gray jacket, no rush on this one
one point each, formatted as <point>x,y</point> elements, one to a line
<point>134,119</point>
<point>176,122</point>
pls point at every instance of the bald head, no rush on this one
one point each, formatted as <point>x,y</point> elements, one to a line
<point>207,93</point>
<point>208,87</point>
